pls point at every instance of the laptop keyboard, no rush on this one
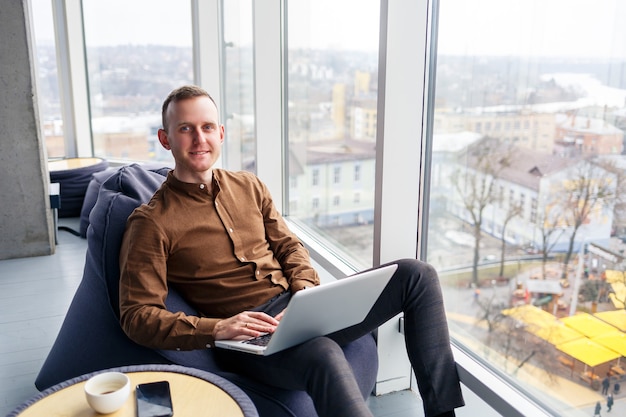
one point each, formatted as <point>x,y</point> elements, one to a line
<point>262,340</point>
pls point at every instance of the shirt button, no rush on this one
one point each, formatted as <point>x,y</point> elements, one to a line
<point>243,258</point>
<point>230,229</point>
<point>258,272</point>
<point>202,186</point>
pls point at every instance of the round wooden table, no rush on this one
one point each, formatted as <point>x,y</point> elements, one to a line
<point>73,176</point>
<point>194,393</point>
<point>72,163</point>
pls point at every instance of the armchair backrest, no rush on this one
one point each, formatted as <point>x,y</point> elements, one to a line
<point>123,191</point>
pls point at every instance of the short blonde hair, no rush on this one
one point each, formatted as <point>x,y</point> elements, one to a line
<point>182,93</point>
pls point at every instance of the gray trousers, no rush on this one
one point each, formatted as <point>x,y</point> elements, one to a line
<point>319,366</point>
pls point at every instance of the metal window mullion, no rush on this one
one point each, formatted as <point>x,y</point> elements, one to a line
<point>72,67</point>
<point>399,166</point>
<point>208,51</point>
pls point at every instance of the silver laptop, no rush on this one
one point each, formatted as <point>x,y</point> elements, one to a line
<point>319,311</point>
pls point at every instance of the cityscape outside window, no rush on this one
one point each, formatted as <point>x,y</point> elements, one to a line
<point>130,71</point>
<point>527,213</point>
<point>332,82</point>
<point>240,145</point>
<point>526,216</point>
<point>47,79</point>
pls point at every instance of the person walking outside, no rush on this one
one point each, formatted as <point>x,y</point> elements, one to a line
<point>609,402</point>
<point>596,412</point>
<point>606,382</point>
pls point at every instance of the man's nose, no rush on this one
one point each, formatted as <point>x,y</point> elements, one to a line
<point>197,134</point>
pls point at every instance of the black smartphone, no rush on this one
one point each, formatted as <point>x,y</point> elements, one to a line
<point>154,399</point>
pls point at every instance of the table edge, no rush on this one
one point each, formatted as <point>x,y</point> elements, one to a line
<point>236,393</point>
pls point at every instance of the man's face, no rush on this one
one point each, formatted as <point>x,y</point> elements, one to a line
<point>194,136</point>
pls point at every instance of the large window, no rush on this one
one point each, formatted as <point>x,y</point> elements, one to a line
<point>332,97</point>
<point>240,144</point>
<point>48,82</point>
<point>132,66</point>
<point>525,208</point>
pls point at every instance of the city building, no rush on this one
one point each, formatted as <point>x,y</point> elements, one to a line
<point>585,137</point>
<point>522,127</point>
<point>526,194</point>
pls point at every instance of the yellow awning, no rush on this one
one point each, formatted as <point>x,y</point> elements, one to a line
<point>530,314</point>
<point>615,340</point>
<point>556,333</point>
<point>615,318</point>
<point>543,324</point>
<point>587,324</point>
<point>588,352</point>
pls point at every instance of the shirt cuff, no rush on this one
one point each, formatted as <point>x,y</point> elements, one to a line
<point>204,331</point>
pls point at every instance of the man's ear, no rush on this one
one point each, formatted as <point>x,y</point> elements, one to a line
<point>163,139</point>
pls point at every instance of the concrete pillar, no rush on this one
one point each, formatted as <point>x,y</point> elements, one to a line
<point>26,225</point>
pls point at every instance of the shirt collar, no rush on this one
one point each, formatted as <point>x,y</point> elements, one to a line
<point>192,188</point>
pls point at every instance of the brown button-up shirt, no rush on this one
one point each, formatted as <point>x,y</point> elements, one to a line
<point>225,252</point>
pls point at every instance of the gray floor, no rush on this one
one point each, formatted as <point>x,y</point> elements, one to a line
<point>34,296</point>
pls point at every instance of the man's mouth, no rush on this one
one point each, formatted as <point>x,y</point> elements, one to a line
<point>199,152</point>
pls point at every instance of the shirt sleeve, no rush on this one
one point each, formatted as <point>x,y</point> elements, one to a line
<point>143,290</point>
<point>287,248</point>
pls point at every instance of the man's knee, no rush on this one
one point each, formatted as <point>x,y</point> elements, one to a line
<point>416,269</point>
<point>323,362</point>
<point>323,351</point>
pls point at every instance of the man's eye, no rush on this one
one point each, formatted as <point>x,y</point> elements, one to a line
<point>184,128</point>
<point>209,127</point>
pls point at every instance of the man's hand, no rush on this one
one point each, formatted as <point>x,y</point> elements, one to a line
<point>245,325</point>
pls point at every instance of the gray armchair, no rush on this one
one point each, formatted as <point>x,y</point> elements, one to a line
<point>91,338</point>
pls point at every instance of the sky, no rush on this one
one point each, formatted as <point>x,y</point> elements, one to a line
<point>590,28</point>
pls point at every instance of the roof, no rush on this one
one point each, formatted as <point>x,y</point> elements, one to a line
<point>523,166</point>
<point>583,124</point>
<point>527,167</point>
<point>333,151</point>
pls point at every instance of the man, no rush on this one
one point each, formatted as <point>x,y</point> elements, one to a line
<point>216,236</point>
<point>605,384</point>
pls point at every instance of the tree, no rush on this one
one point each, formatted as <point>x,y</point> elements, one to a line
<point>490,309</point>
<point>594,290</point>
<point>513,211</point>
<point>510,338</point>
<point>550,234</point>
<point>591,189</point>
<point>483,162</point>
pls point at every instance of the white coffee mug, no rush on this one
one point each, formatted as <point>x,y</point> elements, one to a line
<point>107,392</point>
